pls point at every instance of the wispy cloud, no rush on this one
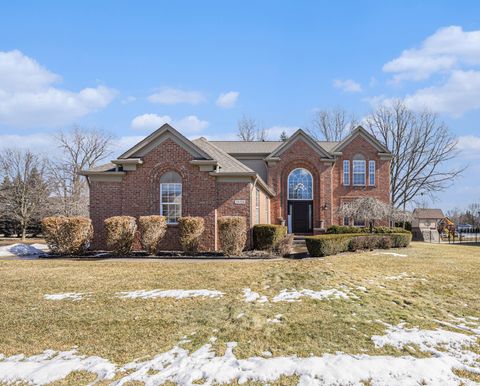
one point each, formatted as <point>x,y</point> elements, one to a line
<point>188,124</point>
<point>29,98</point>
<point>228,99</point>
<point>347,85</point>
<point>172,96</point>
<point>447,49</point>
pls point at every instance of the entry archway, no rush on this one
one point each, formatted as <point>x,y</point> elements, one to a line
<point>300,201</point>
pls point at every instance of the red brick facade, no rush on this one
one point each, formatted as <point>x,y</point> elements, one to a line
<point>203,194</point>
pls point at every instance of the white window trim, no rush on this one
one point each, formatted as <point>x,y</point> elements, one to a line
<point>267,210</point>
<point>170,203</point>
<point>257,206</point>
<point>288,186</point>
<point>372,174</point>
<point>346,171</point>
<point>364,173</point>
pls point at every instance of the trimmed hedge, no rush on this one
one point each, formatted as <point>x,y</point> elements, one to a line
<point>191,230</point>
<point>152,229</point>
<point>232,232</point>
<point>67,235</point>
<point>266,236</point>
<point>331,244</point>
<point>120,234</point>
<point>343,229</point>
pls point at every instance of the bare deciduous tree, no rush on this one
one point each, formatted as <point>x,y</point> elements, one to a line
<point>421,145</point>
<point>332,125</point>
<point>82,149</point>
<point>24,191</point>
<point>366,208</point>
<point>248,130</point>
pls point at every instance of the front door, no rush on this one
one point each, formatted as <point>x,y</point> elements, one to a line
<point>301,216</point>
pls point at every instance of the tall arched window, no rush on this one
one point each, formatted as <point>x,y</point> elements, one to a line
<point>171,196</point>
<point>300,185</point>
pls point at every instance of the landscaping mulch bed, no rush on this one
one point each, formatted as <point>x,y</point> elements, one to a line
<point>167,255</point>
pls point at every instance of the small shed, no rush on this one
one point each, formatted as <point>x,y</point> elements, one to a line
<point>425,224</point>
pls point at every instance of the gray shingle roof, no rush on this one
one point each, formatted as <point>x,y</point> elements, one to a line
<point>428,213</point>
<point>227,163</point>
<point>259,147</point>
<point>108,167</point>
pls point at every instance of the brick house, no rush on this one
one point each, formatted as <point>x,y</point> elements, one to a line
<point>300,182</point>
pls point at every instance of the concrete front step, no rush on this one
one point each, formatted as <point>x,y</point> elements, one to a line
<point>299,241</point>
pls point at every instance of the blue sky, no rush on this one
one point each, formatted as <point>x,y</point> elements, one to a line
<point>126,67</point>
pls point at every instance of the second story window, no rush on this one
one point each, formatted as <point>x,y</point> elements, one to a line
<point>371,173</point>
<point>359,171</point>
<point>346,172</point>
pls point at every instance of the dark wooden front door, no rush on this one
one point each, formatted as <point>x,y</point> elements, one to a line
<point>301,212</point>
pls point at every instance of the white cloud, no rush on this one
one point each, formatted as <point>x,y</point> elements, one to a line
<point>28,97</point>
<point>445,50</point>
<point>188,124</point>
<point>149,121</point>
<point>172,96</point>
<point>469,147</point>
<point>459,94</point>
<point>347,85</point>
<point>228,99</point>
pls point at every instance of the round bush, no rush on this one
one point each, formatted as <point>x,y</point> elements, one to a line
<point>120,234</point>
<point>232,232</point>
<point>266,236</point>
<point>191,230</point>
<point>152,230</point>
<point>67,235</point>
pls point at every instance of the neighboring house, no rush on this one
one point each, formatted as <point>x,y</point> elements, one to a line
<point>300,181</point>
<point>425,224</point>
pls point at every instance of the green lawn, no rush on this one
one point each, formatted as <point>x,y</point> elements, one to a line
<point>434,282</point>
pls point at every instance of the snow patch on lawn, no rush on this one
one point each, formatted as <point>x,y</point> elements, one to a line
<point>426,340</point>
<point>176,294</point>
<point>391,254</point>
<point>250,296</point>
<point>276,319</point>
<point>294,295</point>
<point>51,366</point>
<point>450,350</point>
<point>23,250</point>
<point>75,296</point>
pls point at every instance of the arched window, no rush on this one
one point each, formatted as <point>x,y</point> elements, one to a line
<point>171,196</point>
<point>300,185</point>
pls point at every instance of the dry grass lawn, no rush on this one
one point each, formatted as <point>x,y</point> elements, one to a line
<point>435,282</point>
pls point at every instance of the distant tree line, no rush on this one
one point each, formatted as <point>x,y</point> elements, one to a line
<point>33,185</point>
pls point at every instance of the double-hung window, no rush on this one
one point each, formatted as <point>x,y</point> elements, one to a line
<point>359,172</point>
<point>346,172</point>
<point>171,197</point>
<point>371,173</point>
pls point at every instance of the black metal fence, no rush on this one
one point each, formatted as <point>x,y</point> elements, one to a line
<point>463,235</point>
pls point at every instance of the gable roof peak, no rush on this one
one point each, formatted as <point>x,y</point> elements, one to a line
<point>360,130</point>
<point>293,138</point>
<point>165,130</point>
